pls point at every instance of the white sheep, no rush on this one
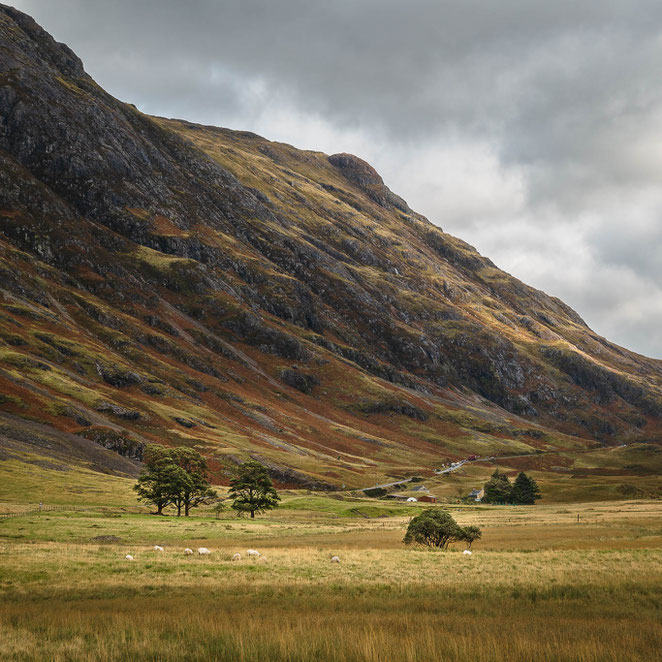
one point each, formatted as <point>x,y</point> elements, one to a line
<point>335,559</point>
<point>188,551</point>
<point>158,548</point>
<point>236,557</point>
<point>203,551</point>
<point>467,552</point>
<point>252,552</point>
<point>128,557</point>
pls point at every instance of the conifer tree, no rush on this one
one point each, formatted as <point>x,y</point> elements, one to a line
<point>525,490</point>
<point>252,489</point>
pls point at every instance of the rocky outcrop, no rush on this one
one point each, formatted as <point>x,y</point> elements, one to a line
<point>299,380</point>
<point>116,441</point>
<point>363,175</point>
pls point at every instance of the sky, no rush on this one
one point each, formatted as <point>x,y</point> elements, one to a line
<point>530,129</point>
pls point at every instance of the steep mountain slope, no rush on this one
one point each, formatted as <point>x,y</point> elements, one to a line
<point>161,280</point>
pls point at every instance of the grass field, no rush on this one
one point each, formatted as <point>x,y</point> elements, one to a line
<point>541,585</point>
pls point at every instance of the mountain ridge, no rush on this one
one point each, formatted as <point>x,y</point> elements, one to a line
<point>189,284</point>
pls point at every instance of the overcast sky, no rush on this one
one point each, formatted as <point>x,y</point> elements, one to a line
<point>531,129</point>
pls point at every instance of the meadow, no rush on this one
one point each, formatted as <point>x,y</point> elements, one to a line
<point>550,582</point>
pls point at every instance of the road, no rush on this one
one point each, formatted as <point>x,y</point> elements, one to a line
<point>447,470</point>
<point>384,486</point>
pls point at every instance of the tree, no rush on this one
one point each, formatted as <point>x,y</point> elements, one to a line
<point>525,490</point>
<point>434,527</point>
<point>218,508</point>
<point>252,489</point>
<point>197,488</point>
<point>161,481</point>
<point>498,489</point>
<point>470,534</point>
<point>173,476</point>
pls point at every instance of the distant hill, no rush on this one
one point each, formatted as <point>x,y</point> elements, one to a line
<point>165,281</point>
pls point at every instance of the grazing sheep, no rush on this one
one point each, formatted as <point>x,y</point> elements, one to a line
<point>128,557</point>
<point>188,551</point>
<point>252,552</point>
<point>335,559</point>
<point>158,548</point>
<point>203,551</point>
<point>236,557</point>
<point>467,552</point>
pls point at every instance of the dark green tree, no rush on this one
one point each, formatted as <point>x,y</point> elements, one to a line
<point>173,476</point>
<point>161,481</point>
<point>470,534</point>
<point>434,527</point>
<point>525,490</point>
<point>252,489</point>
<point>197,488</point>
<point>498,489</point>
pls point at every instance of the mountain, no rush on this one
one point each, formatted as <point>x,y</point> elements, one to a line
<point>166,281</point>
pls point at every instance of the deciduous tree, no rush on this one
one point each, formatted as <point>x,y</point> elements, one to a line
<point>470,534</point>
<point>434,527</point>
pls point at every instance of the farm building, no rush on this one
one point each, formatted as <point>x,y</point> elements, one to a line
<point>420,488</point>
<point>427,498</point>
<point>477,495</point>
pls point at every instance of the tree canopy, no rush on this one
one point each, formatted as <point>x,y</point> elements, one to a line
<point>252,489</point>
<point>173,476</point>
<point>500,490</point>
<point>435,527</point>
<point>470,534</point>
<point>525,490</point>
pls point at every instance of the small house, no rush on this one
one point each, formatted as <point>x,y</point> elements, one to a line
<point>427,498</point>
<point>477,495</point>
<point>420,488</point>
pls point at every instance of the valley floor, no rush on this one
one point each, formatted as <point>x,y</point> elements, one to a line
<point>541,585</point>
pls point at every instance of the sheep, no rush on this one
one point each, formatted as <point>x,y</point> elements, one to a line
<point>203,551</point>
<point>128,557</point>
<point>236,557</point>
<point>252,552</point>
<point>467,552</point>
<point>158,548</point>
<point>335,559</point>
<point>188,551</point>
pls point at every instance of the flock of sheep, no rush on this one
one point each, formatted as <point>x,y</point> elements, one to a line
<point>203,551</point>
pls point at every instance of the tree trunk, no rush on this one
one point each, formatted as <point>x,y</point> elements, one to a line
<point>159,509</point>
<point>186,507</point>
<point>179,510</point>
<point>252,514</point>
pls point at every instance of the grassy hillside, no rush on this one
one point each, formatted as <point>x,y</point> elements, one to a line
<point>166,282</point>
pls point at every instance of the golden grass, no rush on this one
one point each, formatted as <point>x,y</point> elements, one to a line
<point>539,586</point>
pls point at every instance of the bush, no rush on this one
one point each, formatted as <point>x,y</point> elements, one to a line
<point>434,527</point>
